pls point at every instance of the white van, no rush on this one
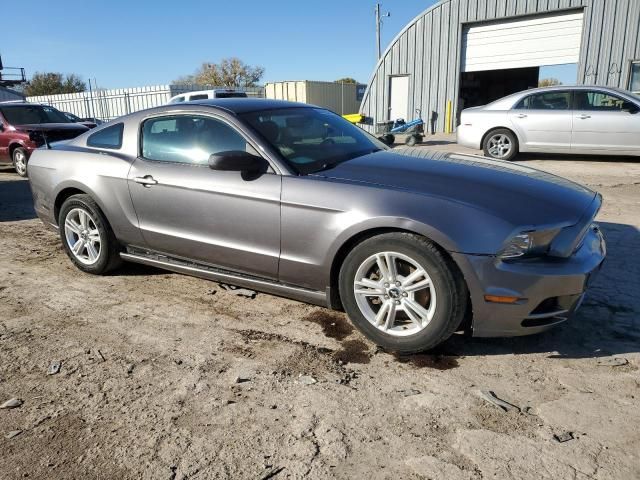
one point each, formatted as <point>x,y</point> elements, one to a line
<point>205,94</point>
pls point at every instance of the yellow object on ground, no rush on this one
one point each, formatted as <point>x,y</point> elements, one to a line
<point>354,117</point>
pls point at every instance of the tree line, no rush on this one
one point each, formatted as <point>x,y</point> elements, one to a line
<point>229,72</point>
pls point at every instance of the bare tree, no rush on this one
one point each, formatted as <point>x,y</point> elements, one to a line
<point>52,83</point>
<point>230,72</point>
<point>346,80</point>
<point>549,82</point>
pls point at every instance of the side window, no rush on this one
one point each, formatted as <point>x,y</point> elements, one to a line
<point>200,96</point>
<point>188,139</point>
<point>546,101</point>
<point>598,101</point>
<point>110,137</point>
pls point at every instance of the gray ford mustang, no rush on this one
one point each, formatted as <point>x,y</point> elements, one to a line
<point>292,200</point>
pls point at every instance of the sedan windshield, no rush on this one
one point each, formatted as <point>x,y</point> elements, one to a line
<point>30,114</point>
<point>312,139</point>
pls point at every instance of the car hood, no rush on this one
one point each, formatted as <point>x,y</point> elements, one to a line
<point>515,193</point>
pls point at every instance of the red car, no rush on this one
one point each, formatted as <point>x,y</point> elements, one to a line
<point>25,127</point>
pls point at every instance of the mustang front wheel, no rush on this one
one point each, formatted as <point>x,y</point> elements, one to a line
<point>402,292</point>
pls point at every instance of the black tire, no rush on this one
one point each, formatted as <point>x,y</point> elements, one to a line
<point>509,136</point>
<point>108,257</point>
<point>19,158</point>
<point>411,140</point>
<point>389,139</point>
<point>450,290</point>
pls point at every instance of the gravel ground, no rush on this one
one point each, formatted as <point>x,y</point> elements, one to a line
<point>167,376</point>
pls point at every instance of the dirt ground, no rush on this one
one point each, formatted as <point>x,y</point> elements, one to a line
<point>168,377</point>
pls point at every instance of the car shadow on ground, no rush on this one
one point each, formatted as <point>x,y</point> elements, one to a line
<point>436,142</point>
<point>130,269</point>
<point>608,323</point>
<point>15,201</point>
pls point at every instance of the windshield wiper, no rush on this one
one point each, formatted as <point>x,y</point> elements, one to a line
<point>329,165</point>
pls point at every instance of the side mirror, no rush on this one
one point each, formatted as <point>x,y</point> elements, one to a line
<point>631,108</point>
<point>237,161</point>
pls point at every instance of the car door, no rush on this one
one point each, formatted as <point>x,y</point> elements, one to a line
<point>4,141</point>
<point>186,209</point>
<point>604,123</point>
<point>542,121</point>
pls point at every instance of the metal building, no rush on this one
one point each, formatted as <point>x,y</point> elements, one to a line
<point>342,98</point>
<point>462,53</point>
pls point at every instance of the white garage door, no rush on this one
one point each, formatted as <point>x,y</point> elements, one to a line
<point>525,42</point>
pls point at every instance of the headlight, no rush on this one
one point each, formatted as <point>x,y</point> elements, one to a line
<point>531,243</point>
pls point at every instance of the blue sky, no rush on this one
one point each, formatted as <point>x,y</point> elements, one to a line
<point>136,43</point>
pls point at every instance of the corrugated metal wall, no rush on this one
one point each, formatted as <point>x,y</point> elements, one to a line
<point>429,48</point>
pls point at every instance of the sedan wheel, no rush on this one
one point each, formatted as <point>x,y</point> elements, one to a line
<point>500,144</point>
<point>20,161</point>
<point>395,293</point>
<point>403,292</point>
<point>83,236</point>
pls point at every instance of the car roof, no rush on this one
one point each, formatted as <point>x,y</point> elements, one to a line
<point>245,105</point>
<point>567,87</point>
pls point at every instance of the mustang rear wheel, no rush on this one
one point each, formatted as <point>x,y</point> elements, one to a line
<point>402,292</point>
<point>86,235</point>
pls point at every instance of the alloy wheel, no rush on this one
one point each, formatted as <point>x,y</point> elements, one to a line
<point>499,146</point>
<point>395,293</point>
<point>20,162</point>
<point>83,236</point>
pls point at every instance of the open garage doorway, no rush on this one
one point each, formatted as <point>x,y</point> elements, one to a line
<point>480,88</point>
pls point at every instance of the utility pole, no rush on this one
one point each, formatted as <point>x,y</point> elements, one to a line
<point>378,25</point>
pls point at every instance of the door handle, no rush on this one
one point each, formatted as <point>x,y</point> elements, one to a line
<point>147,180</point>
<point>522,115</point>
<point>584,117</point>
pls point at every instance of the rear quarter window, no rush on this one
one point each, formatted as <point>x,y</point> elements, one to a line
<point>110,137</point>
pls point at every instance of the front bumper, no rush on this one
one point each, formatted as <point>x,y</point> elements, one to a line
<point>550,289</point>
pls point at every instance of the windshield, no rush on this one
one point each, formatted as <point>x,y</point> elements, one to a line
<point>30,114</point>
<point>312,139</point>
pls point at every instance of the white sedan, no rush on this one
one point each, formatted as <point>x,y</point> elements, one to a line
<point>579,119</point>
